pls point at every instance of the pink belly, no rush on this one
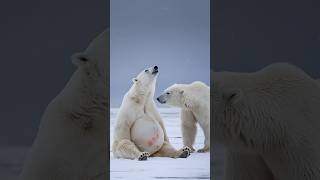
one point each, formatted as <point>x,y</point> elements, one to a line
<point>147,135</point>
<point>153,140</point>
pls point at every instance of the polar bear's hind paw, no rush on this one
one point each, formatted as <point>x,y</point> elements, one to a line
<point>143,156</point>
<point>185,152</point>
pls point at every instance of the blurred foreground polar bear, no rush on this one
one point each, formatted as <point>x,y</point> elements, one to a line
<point>71,143</point>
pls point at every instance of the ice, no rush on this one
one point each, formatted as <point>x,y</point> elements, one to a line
<point>197,166</point>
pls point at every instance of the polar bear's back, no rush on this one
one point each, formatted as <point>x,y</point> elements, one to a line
<point>199,84</point>
<point>198,90</point>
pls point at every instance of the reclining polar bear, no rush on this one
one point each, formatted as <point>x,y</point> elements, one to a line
<point>139,131</point>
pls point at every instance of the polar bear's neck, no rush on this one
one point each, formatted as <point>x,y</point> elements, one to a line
<point>188,103</point>
<point>81,94</point>
<point>140,96</point>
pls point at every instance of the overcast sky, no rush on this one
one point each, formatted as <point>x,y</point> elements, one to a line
<point>172,34</point>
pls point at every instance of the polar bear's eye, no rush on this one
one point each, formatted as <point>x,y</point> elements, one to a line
<point>168,93</point>
<point>146,70</point>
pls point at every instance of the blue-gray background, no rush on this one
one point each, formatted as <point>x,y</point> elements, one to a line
<point>173,34</point>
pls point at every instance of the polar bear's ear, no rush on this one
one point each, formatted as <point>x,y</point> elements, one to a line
<point>79,59</point>
<point>134,80</point>
<point>233,96</point>
<point>181,91</point>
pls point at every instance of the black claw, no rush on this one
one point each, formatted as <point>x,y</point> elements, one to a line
<point>143,158</point>
<point>184,154</point>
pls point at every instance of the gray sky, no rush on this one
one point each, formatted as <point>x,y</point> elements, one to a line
<point>172,34</point>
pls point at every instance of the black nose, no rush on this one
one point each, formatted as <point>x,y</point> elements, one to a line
<point>158,99</point>
<point>155,67</point>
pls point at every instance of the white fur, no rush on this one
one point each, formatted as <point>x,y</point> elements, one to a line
<point>269,123</point>
<point>194,101</point>
<point>136,109</point>
<point>71,143</point>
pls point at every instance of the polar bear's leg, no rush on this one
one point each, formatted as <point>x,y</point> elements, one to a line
<point>167,150</point>
<point>127,149</point>
<point>188,128</point>
<point>246,167</point>
<point>206,131</point>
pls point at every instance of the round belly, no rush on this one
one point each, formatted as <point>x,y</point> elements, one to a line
<point>147,134</point>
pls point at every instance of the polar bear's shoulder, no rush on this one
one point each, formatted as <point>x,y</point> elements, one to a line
<point>198,84</point>
<point>283,70</point>
<point>196,90</point>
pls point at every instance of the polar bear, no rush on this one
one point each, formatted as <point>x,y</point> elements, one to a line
<point>71,143</point>
<point>139,130</point>
<point>269,123</point>
<point>194,101</point>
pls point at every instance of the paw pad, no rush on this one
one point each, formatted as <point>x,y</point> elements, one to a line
<point>143,156</point>
<point>185,152</point>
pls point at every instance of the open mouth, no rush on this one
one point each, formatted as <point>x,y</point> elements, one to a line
<point>154,71</point>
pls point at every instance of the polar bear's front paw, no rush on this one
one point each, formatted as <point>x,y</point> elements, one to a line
<point>143,156</point>
<point>185,152</point>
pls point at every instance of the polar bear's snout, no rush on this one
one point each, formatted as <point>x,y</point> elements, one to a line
<point>155,70</point>
<point>161,99</point>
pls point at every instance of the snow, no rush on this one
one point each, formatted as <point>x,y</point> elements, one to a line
<point>196,166</point>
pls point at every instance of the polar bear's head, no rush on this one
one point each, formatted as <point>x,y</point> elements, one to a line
<point>146,79</point>
<point>93,62</point>
<point>174,96</point>
<point>147,76</point>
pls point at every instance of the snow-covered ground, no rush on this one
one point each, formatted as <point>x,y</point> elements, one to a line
<point>196,166</point>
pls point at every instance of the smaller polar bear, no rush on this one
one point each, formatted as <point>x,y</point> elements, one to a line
<point>139,130</point>
<point>194,99</point>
